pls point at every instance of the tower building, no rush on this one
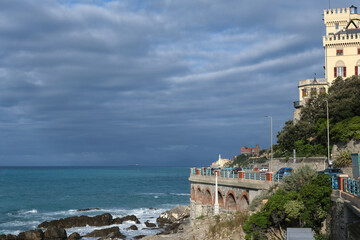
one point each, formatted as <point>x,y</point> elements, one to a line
<point>342,53</point>
<point>341,43</point>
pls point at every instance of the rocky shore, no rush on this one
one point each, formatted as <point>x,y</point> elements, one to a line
<point>169,222</point>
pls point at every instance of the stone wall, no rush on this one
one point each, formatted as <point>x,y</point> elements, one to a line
<point>353,147</point>
<point>343,220</point>
<point>315,162</point>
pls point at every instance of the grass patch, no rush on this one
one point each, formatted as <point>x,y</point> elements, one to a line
<point>229,224</point>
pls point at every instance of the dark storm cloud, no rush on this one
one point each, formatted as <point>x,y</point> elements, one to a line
<point>150,82</point>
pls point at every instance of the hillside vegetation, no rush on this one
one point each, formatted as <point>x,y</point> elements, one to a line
<point>303,200</point>
<point>309,135</point>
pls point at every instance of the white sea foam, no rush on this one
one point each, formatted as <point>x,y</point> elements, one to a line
<point>6,231</point>
<point>180,194</point>
<point>18,223</point>
<point>143,214</point>
<point>32,211</point>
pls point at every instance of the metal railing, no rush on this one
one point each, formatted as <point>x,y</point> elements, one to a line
<point>350,185</point>
<point>230,173</point>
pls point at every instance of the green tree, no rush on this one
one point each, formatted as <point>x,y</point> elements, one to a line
<point>303,201</point>
<point>309,135</point>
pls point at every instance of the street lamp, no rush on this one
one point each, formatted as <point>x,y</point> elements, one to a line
<point>271,146</point>
<point>328,135</point>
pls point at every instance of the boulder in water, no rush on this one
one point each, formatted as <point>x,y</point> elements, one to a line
<point>139,236</point>
<point>87,209</point>
<point>79,221</point>
<point>173,215</point>
<point>149,224</point>
<point>7,237</point>
<point>126,218</point>
<point>74,236</point>
<point>55,233</point>
<point>107,233</point>
<point>132,227</point>
<point>31,235</point>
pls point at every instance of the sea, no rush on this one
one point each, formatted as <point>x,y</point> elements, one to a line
<point>32,195</point>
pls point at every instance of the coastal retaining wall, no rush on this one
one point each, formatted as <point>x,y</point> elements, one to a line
<point>234,194</point>
<point>353,147</point>
<point>317,163</point>
<point>343,221</point>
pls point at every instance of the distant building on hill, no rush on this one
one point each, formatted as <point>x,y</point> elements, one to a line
<point>221,162</point>
<point>342,53</point>
<point>251,151</point>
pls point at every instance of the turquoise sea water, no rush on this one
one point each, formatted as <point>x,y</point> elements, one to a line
<point>29,196</point>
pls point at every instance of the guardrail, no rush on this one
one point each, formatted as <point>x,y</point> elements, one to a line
<point>344,183</point>
<point>341,181</point>
<point>250,174</point>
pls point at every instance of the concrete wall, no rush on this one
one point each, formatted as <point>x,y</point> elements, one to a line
<point>352,147</point>
<point>315,162</point>
<point>234,194</point>
<point>343,221</point>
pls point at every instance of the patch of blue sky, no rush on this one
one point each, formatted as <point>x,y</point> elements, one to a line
<point>132,5</point>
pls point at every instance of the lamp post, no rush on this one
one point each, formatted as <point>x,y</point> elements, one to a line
<point>216,207</point>
<point>328,135</point>
<point>271,146</point>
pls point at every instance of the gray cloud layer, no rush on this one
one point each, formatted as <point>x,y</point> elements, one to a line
<point>149,82</point>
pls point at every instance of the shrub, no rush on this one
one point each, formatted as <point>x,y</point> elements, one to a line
<point>299,178</point>
<point>297,204</point>
<point>343,160</point>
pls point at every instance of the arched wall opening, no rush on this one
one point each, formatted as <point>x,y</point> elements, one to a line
<point>207,197</point>
<point>231,202</point>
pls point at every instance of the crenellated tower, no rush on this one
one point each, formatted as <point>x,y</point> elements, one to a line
<point>342,53</point>
<point>341,43</point>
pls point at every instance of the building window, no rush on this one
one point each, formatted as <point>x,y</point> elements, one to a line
<point>336,26</point>
<point>357,72</point>
<point>303,92</point>
<point>339,52</point>
<point>339,71</point>
<point>358,50</point>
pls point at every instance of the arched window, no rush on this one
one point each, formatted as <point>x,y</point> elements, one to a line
<point>340,69</point>
<point>357,68</point>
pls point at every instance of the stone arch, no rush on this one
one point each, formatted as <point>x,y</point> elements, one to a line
<point>198,194</point>
<point>220,198</point>
<point>192,193</point>
<point>244,201</point>
<point>230,203</point>
<point>339,63</point>
<point>207,197</point>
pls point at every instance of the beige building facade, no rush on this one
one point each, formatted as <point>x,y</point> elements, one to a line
<point>342,53</point>
<point>341,43</point>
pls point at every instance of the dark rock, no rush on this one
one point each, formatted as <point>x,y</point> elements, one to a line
<point>139,236</point>
<point>79,221</point>
<point>10,237</point>
<point>7,237</point>
<point>133,227</point>
<point>173,215</point>
<point>87,209</point>
<point>172,228</point>
<point>149,224</point>
<point>31,235</point>
<point>55,233</point>
<point>74,236</point>
<point>126,218</point>
<point>107,233</point>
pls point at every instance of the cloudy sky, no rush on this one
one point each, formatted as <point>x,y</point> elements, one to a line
<point>160,82</point>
